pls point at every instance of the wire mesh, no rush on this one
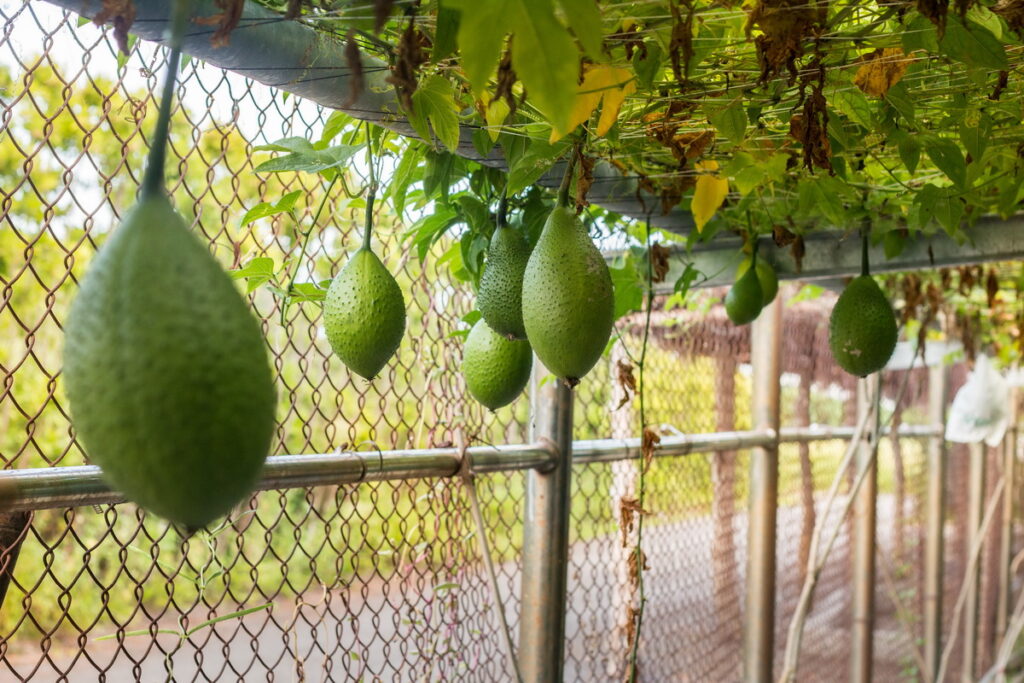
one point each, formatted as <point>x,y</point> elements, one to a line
<point>380,581</point>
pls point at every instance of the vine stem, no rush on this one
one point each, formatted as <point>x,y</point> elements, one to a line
<point>641,482</point>
<point>153,179</point>
<point>305,242</point>
<point>864,269</point>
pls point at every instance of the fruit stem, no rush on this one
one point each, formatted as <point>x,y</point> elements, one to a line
<point>153,180</point>
<point>503,210</point>
<point>570,167</point>
<point>372,194</point>
<point>864,252</point>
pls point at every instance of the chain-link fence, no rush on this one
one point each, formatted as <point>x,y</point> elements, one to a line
<point>382,581</point>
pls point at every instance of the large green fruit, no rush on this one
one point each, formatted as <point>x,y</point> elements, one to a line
<point>166,371</point>
<point>862,328</point>
<point>744,300</point>
<point>500,300</point>
<point>765,276</point>
<point>364,314</point>
<point>568,302</point>
<point>496,368</point>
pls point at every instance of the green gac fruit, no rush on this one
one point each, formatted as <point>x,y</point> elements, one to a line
<point>862,328</point>
<point>745,298</point>
<point>568,302</point>
<point>766,277</point>
<point>364,314</point>
<point>500,300</point>
<point>166,369</point>
<point>496,368</point>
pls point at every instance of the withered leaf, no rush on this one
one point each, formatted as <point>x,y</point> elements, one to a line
<point>120,13</point>
<point>355,67</point>
<point>648,443</point>
<point>626,379</point>
<point>659,262</point>
<point>584,179</point>
<point>881,70</point>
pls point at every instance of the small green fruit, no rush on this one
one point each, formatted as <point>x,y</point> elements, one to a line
<point>568,301</point>
<point>166,371</point>
<point>496,368</point>
<point>862,329</point>
<point>766,276</point>
<point>745,298</point>
<point>500,300</point>
<point>364,314</point>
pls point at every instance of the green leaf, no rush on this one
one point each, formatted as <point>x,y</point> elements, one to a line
<point>972,44</point>
<point>482,29</point>
<point>819,197</point>
<point>910,151</point>
<point>264,209</point>
<point>975,137</point>
<point>731,121</point>
<point>310,162</point>
<point>947,156</point>
<point>940,204</point>
<point>434,101</point>
<point>257,272</point>
<point>899,98</point>
<point>309,291</point>
<point>893,243</point>
<point>335,123</point>
<point>585,21</point>
<point>403,175</point>
<point>920,34</point>
<point>428,229</point>
<point>438,173</point>
<point>855,105</point>
<point>445,32</point>
<point>648,66</point>
<point>629,288</point>
<point>544,57</point>
<point>292,144</point>
<point>478,216</point>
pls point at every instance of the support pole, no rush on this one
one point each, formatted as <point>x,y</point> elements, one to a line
<point>1009,454</point>
<point>862,645</point>
<point>546,535</point>
<point>935,515</point>
<point>975,510</point>
<point>759,617</point>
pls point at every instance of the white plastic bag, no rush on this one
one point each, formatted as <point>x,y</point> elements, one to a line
<point>980,411</point>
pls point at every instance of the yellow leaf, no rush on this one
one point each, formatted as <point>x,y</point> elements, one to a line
<point>497,112</point>
<point>708,195</point>
<point>601,82</point>
<point>881,70</point>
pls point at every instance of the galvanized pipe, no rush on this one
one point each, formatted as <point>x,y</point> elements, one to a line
<point>975,512</point>
<point>759,615</point>
<point>60,487</point>
<point>862,633</point>
<point>546,535</point>
<point>935,515</point>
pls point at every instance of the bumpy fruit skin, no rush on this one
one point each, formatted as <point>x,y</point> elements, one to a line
<point>862,329</point>
<point>744,300</point>
<point>766,277</point>
<point>166,371</point>
<point>500,300</point>
<point>364,314</point>
<point>568,301</point>
<point>496,368</point>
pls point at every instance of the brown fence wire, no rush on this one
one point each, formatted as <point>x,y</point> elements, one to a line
<point>381,581</point>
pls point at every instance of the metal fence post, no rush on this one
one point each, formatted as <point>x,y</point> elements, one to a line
<point>975,510</point>
<point>935,515</point>
<point>759,617</point>
<point>862,645</point>
<point>546,535</point>
<point>1009,454</point>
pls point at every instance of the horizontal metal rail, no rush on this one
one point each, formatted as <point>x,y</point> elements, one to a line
<point>61,487</point>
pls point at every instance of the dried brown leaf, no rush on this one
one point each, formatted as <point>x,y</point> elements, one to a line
<point>381,12</point>
<point>680,48</point>
<point>120,13</point>
<point>584,179</point>
<point>648,443</point>
<point>659,262</point>
<point>624,375</point>
<point>785,25</point>
<point>355,67</point>
<point>410,54</point>
<point>992,287</point>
